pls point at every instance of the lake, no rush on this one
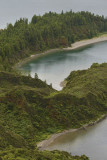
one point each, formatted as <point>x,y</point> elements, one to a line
<point>10,10</point>
<point>91,142</point>
<point>55,67</point>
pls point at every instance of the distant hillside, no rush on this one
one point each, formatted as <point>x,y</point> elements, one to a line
<point>30,110</point>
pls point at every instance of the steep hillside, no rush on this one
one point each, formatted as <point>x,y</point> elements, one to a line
<point>30,110</point>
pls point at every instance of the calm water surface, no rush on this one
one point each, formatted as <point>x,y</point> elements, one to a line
<point>91,142</point>
<point>54,68</point>
<point>10,10</point>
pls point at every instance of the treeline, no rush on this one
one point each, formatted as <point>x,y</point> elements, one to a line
<point>51,30</point>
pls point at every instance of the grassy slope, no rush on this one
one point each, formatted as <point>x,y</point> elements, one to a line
<point>30,110</point>
<point>82,100</point>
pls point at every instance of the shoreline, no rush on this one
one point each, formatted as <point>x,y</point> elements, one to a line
<point>34,56</point>
<point>87,42</point>
<point>76,45</point>
<point>45,143</point>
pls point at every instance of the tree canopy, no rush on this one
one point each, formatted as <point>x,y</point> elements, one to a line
<point>51,30</point>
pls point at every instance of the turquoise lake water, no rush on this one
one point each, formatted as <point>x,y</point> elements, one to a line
<point>55,67</point>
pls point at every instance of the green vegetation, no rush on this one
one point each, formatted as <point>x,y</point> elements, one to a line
<point>30,110</point>
<point>51,30</point>
<point>25,154</point>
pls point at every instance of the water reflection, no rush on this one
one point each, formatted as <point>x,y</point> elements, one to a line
<point>92,142</point>
<point>54,68</point>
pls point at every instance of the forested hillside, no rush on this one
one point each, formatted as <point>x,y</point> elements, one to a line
<point>30,110</point>
<point>51,30</point>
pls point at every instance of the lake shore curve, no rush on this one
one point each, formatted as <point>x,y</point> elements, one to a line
<point>83,43</point>
<point>76,45</point>
<point>45,143</point>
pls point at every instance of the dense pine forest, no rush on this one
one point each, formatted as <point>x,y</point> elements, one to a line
<point>51,30</point>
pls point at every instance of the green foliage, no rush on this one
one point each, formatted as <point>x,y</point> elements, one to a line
<point>28,154</point>
<point>51,30</point>
<point>36,75</point>
<point>30,110</point>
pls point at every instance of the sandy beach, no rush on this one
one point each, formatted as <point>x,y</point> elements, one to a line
<point>83,43</point>
<point>42,145</point>
<point>45,143</point>
<point>75,45</point>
